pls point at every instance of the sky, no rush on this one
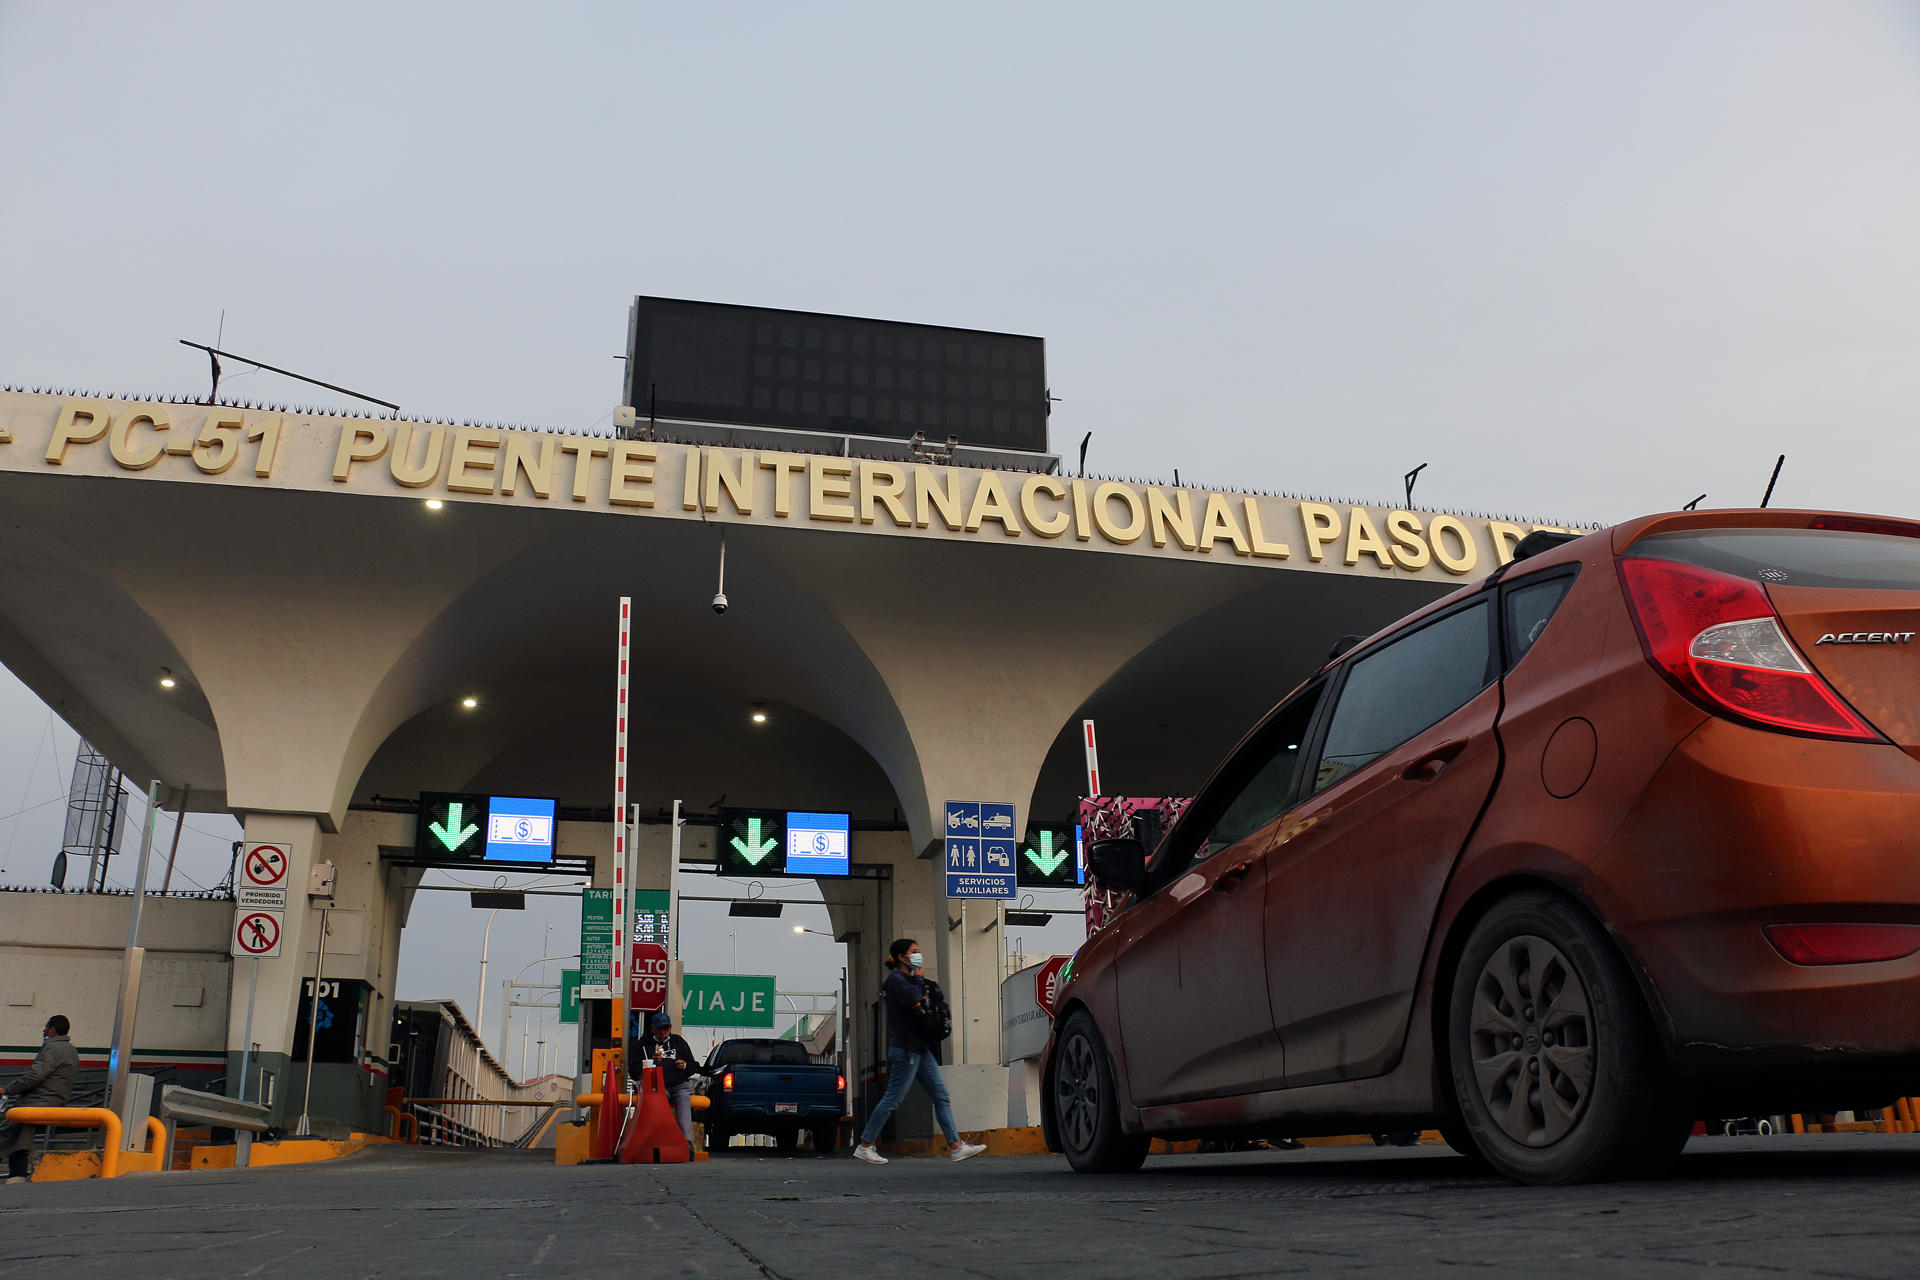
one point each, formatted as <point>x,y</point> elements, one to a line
<point>1584,261</point>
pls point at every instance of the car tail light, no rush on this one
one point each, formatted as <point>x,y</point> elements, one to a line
<point>840,1084</point>
<point>1718,640</point>
<point>1843,943</point>
<point>1866,524</point>
<point>726,1083</point>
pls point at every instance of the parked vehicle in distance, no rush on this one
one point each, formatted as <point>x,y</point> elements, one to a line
<point>1621,836</point>
<point>771,1087</point>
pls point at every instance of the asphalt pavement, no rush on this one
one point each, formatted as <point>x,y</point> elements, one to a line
<point>1828,1205</point>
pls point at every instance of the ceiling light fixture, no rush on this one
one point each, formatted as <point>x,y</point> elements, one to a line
<point>434,504</point>
<point>166,678</point>
<point>759,713</point>
<point>469,702</point>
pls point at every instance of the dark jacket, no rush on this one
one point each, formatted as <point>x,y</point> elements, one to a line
<point>653,1048</point>
<point>49,1081</point>
<point>903,993</point>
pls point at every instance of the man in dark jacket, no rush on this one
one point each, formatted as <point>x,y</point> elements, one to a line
<point>47,1083</point>
<point>674,1057</point>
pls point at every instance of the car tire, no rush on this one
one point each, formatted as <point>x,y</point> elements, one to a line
<point>1557,1072</point>
<point>1086,1105</point>
<point>717,1139</point>
<point>826,1138</point>
<point>786,1139</point>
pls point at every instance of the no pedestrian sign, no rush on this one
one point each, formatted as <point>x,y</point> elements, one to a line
<point>257,933</point>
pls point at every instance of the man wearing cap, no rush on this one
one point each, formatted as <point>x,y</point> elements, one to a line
<point>674,1057</point>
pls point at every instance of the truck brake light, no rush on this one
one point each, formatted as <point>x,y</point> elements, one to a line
<point>726,1083</point>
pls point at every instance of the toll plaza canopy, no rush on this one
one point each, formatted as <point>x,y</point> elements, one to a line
<point>328,591</point>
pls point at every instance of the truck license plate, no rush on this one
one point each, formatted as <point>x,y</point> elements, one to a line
<point>786,1108</point>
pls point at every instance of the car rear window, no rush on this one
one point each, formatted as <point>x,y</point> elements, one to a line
<point>774,1052</point>
<point>1795,557</point>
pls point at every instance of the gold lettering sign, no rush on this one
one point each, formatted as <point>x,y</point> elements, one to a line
<point>714,482</point>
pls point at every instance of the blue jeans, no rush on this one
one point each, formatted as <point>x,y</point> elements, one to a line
<point>903,1067</point>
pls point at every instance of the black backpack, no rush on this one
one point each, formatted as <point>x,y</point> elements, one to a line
<point>933,1021</point>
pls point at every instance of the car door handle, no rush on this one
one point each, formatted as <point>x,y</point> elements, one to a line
<point>1230,879</point>
<point>1429,766</point>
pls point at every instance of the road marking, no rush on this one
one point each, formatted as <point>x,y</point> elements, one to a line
<point>545,1245</point>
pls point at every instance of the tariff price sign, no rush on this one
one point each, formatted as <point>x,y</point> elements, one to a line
<point>649,977</point>
<point>1048,859</point>
<point>752,842</point>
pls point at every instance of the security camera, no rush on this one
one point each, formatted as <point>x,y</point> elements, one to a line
<point>720,603</point>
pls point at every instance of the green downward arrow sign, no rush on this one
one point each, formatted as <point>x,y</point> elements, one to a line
<point>452,834</point>
<point>1048,859</point>
<point>755,848</point>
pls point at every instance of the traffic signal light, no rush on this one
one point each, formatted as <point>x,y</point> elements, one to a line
<point>1049,858</point>
<point>752,842</point>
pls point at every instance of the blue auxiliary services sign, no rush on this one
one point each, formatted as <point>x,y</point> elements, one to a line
<point>980,848</point>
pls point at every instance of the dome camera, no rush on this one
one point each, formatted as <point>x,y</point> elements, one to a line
<point>720,602</point>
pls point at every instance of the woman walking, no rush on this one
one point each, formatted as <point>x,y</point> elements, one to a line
<point>910,1055</point>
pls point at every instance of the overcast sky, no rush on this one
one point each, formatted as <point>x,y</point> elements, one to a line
<point>1586,261</point>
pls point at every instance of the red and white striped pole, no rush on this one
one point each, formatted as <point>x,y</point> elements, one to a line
<point>623,924</point>
<point>1093,757</point>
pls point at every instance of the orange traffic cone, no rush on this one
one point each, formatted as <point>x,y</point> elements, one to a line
<point>607,1131</point>
<point>654,1137</point>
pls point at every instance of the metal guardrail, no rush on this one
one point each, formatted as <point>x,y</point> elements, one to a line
<point>215,1111</point>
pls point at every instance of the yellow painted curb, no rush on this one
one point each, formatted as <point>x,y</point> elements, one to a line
<point>287,1151</point>
<point>71,1166</point>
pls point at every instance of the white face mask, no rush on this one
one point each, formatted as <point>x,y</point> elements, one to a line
<point>916,960</point>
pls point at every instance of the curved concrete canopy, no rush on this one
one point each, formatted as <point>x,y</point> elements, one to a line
<point>952,623</point>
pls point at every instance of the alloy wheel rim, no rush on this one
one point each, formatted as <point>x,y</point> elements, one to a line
<point>1532,1041</point>
<point>1077,1092</point>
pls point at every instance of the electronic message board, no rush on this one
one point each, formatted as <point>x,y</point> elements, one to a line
<point>818,844</point>
<point>466,827</point>
<point>757,366</point>
<point>751,842</point>
<point>1049,858</point>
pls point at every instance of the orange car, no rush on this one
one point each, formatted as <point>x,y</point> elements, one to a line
<point>1626,834</point>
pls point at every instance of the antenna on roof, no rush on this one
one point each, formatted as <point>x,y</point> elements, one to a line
<point>214,353</point>
<point>1697,501</point>
<point>1768,496</point>
<point>1083,452</point>
<point>1409,478</point>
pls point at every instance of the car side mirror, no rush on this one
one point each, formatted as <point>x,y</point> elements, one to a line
<point>1120,863</point>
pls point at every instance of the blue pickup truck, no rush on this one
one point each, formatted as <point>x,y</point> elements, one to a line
<point>771,1087</point>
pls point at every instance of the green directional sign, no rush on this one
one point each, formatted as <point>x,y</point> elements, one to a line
<point>1047,858</point>
<point>734,1000</point>
<point>753,842</point>
<point>569,995</point>
<point>451,826</point>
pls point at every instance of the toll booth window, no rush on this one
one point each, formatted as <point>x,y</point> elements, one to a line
<point>1405,688</point>
<point>1527,608</point>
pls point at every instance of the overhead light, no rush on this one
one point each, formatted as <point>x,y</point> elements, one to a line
<point>799,928</point>
<point>166,678</point>
<point>759,713</point>
<point>434,504</point>
<point>757,907</point>
<point>1029,917</point>
<point>469,702</point>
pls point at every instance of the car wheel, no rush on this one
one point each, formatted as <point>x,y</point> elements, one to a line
<point>1557,1072</point>
<point>717,1139</point>
<point>787,1139</point>
<point>826,1138</point>
<point>1086,1108</point>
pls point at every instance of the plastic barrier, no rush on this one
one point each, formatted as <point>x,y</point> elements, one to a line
<point>654,1135</point>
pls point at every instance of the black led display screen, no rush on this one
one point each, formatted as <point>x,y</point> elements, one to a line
<point>755,366</point>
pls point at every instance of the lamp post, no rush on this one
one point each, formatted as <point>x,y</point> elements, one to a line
<point>480,999</point>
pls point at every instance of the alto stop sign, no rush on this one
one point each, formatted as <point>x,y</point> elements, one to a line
<point>1046,983</point>
<point>649,973</point>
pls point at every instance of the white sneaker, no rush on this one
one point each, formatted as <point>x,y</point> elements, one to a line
<point>9,1181</point>
<point>964,1151</point>
<point>862,1151</point>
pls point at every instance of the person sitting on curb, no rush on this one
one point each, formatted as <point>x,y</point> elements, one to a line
<point>910,1056</point>
<point>47,1083</point>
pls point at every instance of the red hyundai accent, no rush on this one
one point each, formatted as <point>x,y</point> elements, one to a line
<point>1623,835</point>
